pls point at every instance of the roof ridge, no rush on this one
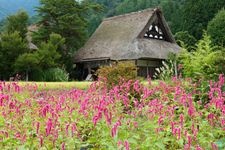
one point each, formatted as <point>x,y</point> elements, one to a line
<point>131,13</point>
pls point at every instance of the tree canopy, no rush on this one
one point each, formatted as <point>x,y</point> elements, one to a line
<point>197,13</point>
<point>12,46</point>
<point>18,22</point>
<point>216,28</point>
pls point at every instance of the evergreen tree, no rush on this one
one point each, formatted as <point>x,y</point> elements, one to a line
<point>197,14</point>
<point>183,37</point>
<point>18,22</point>
<point>47,52</point>
<point>216,28</point>
<point>27,62</point>
<point>12,45</point>
<point>66,18</point>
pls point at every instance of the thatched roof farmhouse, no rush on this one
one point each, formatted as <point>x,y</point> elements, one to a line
<point>142,37</point>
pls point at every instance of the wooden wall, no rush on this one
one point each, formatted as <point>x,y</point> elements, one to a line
<point>146,68</point>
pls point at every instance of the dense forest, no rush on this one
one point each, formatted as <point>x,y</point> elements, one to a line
<point>63,26</point>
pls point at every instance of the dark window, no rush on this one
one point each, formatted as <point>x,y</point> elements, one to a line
<point>154,32</point>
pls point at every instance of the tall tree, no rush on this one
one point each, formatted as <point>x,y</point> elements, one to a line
<point>46,57</point>
<point>66,18</point>
<point>18,22</point>
<point>12,45</point>
<point>216,28</point>
<point>47,52</point>
<point>27,62</point>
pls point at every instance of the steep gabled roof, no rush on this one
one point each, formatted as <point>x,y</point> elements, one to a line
<point>122,37</point>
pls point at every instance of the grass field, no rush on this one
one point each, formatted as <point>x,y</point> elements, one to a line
<point>67,85</point>
<point>58,85</point>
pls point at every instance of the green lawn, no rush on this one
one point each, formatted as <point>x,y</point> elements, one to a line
<point>58,85</point>
<point>68,85</point>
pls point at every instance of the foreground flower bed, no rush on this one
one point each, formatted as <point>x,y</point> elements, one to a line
<point>129,116</point>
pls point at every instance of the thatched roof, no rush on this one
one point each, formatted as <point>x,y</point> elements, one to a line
<point>122,38</point>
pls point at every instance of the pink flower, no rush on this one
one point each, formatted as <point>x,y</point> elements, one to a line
<point>41,141</point>
<point>181,120</point>
<point>160,120</point>
<point>67,127</point>
<point>73,128</point>
<point>63,146</point>
<point>119,143</point>
<point>37,127</point>
<point>191,111</point>
<point>48,127</point>
<point>114,128</point>
<point>126,144</point>
<point>189,141</point>
<point>214,146</point>
<point>108,116</point>
<point>198,148</point>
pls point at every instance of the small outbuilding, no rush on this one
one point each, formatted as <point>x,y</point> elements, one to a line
<point>142,37</point>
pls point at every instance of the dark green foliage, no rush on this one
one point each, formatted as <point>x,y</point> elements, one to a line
<point>135,5</point>
<point>216,28</point>
<point>2,25</point>
<point>197,14</point>
<point>184,38</point>
<point>49,75</point>
<point>54,74</point>
<point>26,62</point>
<point>12,45</point>
<point>108,9</point>
<point>34,19</point>
<point>64,17</point>
<point>18,22</point>
<point>47,52</point>
<point>116,72</point>
<point>171,10</point>
<point>47,56</point>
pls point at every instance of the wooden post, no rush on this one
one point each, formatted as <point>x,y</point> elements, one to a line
<point>89,69</point>
<point>147,71</point>
<point>175,69</point>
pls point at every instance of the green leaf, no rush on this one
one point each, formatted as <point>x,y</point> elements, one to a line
<point>160,145</point>
<point>2,121</point>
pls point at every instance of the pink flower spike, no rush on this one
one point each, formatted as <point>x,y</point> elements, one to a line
<point>48,127</point>
<point>41,141</point>
<point>198,148</point>
<point>214,146</point>
<point>127,146</point>
<point>63,146</point>
<point>38,126</point>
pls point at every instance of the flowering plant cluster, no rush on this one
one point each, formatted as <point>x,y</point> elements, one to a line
<point>127,116</point>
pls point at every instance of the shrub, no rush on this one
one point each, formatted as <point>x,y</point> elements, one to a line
<point>203,62</point>
<point>117,71</point>
<point>165,72</point>
<point>55,74</point>
<point>183,37</point>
